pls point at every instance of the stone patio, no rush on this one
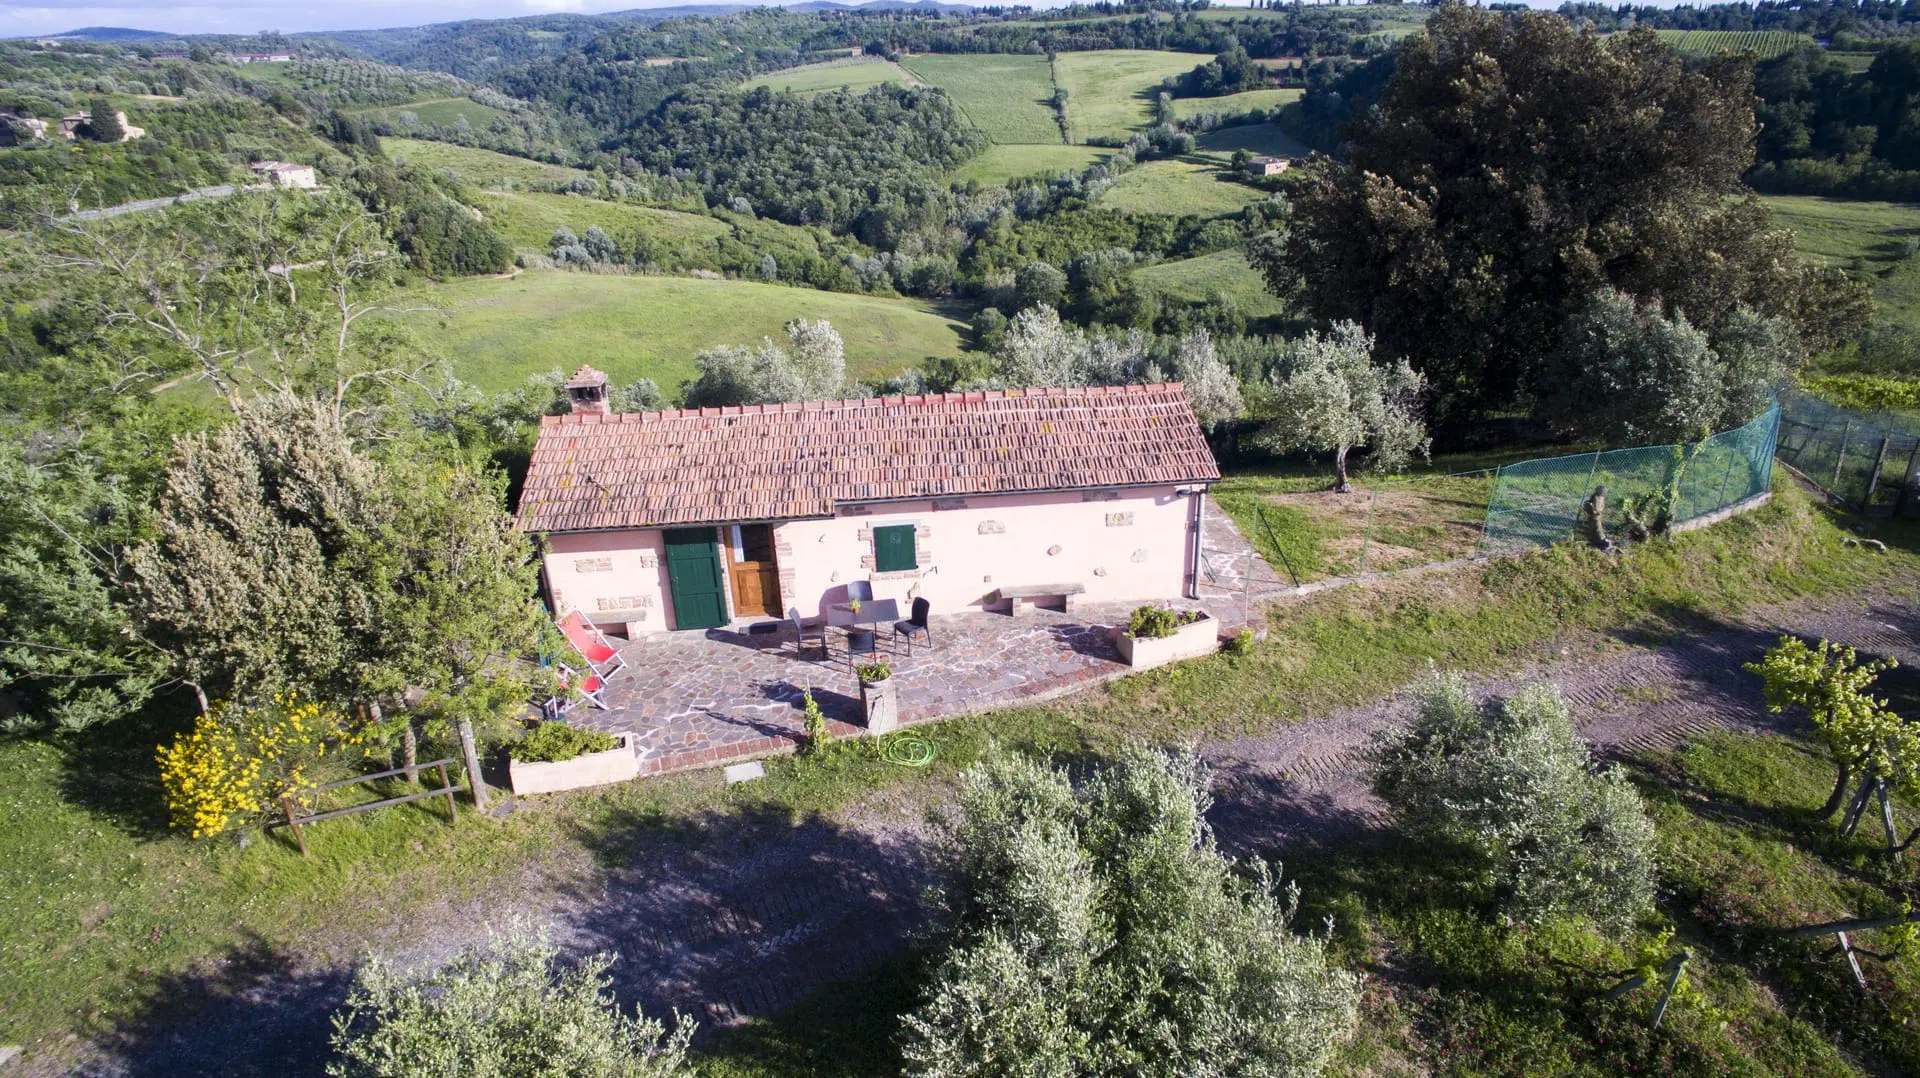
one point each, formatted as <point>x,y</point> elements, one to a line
<point>702,699</point>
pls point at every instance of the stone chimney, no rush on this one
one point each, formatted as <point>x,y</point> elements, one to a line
<point>587,391</point>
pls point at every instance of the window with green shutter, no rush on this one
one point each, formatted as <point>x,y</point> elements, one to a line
<point>893,549</point>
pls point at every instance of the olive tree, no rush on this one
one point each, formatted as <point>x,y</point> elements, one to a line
<point>1211,388</point>
<point>1511,781</point>
<point>812,366</point>
<point>1097,930</point>
<point>1864,738</point>
<point>1334,397</point>
<point>506,1007</point>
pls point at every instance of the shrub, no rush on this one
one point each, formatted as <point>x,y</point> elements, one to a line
<point>553,741</point>
<point>879,671</point>
<point>1099,931</point>
<point>1513,781</point>
<point>814,725</point>
<point>1151,622</point>
<point>240,759</point>
<point>1240,643</point>
<point>507,1008</point>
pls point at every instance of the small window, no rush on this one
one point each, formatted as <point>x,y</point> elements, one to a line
<point>893,549</point>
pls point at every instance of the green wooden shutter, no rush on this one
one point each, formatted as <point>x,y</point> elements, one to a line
<point>893,549</point>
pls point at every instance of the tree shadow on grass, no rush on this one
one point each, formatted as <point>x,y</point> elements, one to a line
<point>111,770</point>
<point>847,1028</point>
<point>729,916</point>
<point>250,1009</point>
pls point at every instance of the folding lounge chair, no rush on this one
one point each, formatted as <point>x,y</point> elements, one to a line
<point>592,688</point>
<point>592,644</point>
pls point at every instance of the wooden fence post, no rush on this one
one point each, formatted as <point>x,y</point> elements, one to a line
<point>477,784</point>
<point>293,821</point>
<point>453,814</point>
<point>1873,483</point>
<point>1840,458</point>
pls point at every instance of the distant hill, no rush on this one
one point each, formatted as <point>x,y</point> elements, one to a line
<point>920,7</point>
<point>110,34</point>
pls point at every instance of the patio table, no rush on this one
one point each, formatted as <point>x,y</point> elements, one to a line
<point>872,612</point>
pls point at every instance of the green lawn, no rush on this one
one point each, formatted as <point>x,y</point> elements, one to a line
<point>484,168</point>
<point>1869,236</point>
<point>529,218</point>
<point>1009,98</point>
<point>498,332</point>
<point>999,163</point>
<point>1178,187</point>
<point>1211,278</point>
<point>1110,92</point>
<point>854,73</point>
<point>1266,139</point>
<point>1188,107</point>
<point>445,111</point>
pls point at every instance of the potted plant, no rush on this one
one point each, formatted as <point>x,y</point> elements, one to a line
<point>877,697</point>
<point>1157,635</point>
<point>853,605</point>
<point>559,756</point>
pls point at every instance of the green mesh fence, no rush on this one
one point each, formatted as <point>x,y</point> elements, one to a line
<point>1866,459</point>
<point>1537,503</point>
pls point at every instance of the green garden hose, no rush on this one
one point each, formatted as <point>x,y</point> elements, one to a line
<point>907,750</point>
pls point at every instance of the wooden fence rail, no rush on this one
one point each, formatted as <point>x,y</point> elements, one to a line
<point>296,821</point>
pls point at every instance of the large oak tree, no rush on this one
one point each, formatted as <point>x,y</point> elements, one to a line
<point>1514,166</point>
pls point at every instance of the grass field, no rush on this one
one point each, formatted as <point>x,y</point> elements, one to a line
<point>1178,187</point>
<point>481,167</point>
<point>855,73</point>
<point>1222,275</point>
<point>1186,108</point>
<point>1254,138</point>
<point>1110,92</point>
<point>1766,44</point>
<point>1009,98</point>
<point>1872,236</point>
<point>498,332</point>
<point>529,219</point>
<point>445,111</point>
<point>1002,162</point>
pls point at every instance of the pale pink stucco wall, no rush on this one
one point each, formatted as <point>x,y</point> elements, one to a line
<point>1133,547</point>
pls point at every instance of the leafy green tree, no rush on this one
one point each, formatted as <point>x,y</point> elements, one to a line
<point>1829,682</point>
<point>505,1008</point>
<point>1512,781</point>
<point>1509,171</point>
<point>1039,284</point>
<point>1633,376</point>
<point>812,367</point>
<point>1336,398</point>
<point>1211,388</point>
<point>103,123</point>
<point>1098,931</point>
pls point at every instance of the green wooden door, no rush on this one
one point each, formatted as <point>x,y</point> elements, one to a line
<point>694,576</point>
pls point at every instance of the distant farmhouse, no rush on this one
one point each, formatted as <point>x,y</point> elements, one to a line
<point>15,129</point>
<point>1268,166</point>
<point>284,174</point>
<point>259,57</point>
<point>70,125</point>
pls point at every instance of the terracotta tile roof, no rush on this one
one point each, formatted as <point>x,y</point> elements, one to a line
<point>787,461</point>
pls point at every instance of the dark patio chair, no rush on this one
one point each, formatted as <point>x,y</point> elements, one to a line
<point>861,642</point>
<point>915,625</point>
<point>861,590</point>
<point>802,632</point>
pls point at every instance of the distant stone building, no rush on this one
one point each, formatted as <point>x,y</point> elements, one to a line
<point>284,174</point>
<point>70,125</point>
<point>1268,166</point>
<point>259,57</point>
<point>15,129</point>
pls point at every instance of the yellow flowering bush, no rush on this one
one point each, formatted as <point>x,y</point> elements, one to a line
<point>240,759</point>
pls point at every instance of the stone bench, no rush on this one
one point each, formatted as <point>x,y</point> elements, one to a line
<point>1018,599</point>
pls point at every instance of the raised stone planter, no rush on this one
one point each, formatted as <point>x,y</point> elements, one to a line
<point>1189,641</point>
<point>617,764</point>
<point>882,706</point>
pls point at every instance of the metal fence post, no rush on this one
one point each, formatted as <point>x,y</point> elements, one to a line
<point>1840,458</point>
<point>1907,481</point>
<point>1873,482</point>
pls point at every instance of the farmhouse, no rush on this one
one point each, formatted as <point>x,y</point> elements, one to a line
<point>1268,166</point>
<point>696,518</point>
<point>70,125</point>
<point>284,173</point>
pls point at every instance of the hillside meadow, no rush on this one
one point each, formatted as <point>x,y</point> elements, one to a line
<point>1009,98</point>
<point>1186,108</point>
<point>1110,92</point>
<point>1213,278</point>
<point>497,332</point>
<point>445,111</point>
<point>854,73</point>
<point>528,219</point>
<point>484,168</point>
<point>1179,187</point>
<point>1881,239</point>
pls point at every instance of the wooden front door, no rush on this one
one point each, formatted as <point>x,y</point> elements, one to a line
<point>756,579</point>
<point>693,575</point>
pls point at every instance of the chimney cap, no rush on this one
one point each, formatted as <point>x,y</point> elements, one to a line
<point>586,377</point>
